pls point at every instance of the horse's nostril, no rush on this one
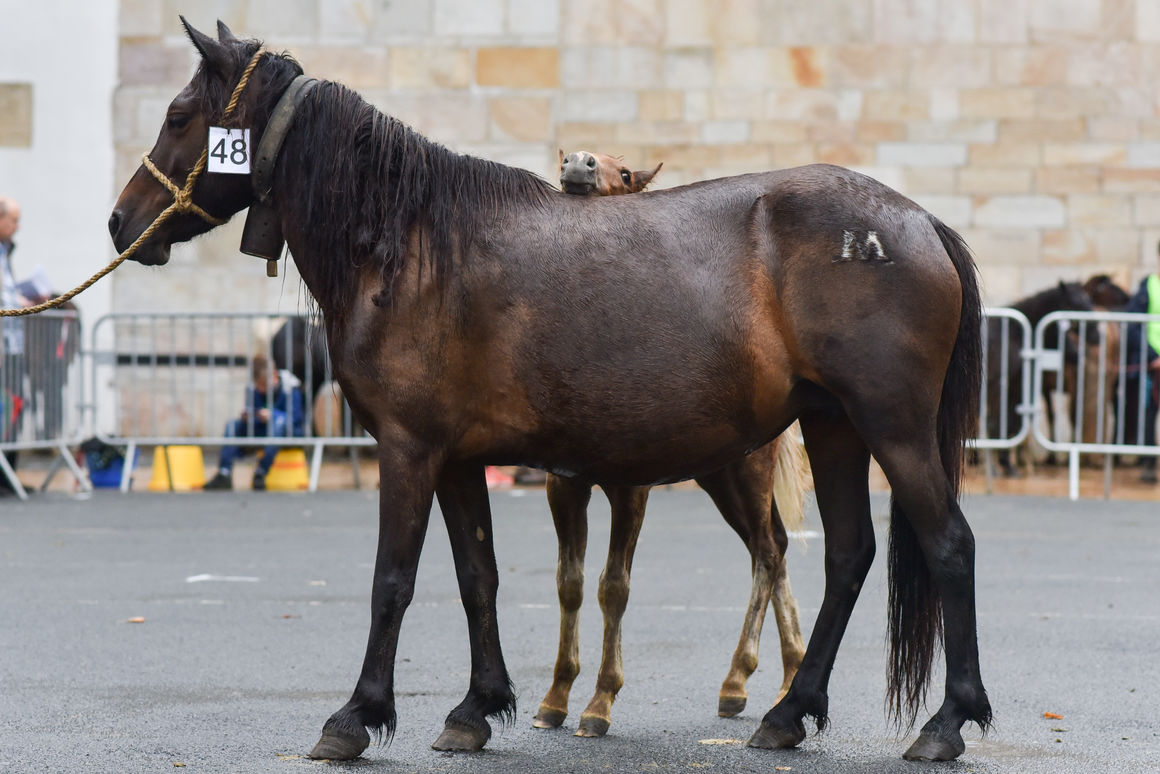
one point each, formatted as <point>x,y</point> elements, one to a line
<point>114,223</point>
<point>591,162</point>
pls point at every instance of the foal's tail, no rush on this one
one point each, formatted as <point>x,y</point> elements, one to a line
<point>915,607</point>
<point>791,478</point>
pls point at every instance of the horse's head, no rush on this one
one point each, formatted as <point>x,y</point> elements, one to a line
<point>182,142</point>
<point>1105,293</point>
<point>596,173</point>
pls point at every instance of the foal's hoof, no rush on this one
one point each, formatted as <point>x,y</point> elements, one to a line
<point>593,726</point>
<point>929,747</point>
<point>549,718</point>
<point>338,745</point>
<point>730,706</point>
<point>461,738</point>
<point>770,738</point>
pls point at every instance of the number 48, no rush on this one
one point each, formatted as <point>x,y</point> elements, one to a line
<point>237,154</point>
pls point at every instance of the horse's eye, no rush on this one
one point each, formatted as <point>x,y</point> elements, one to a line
<point>626,176</point>
<point>177,121</point>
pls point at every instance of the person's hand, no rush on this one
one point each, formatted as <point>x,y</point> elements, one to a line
<point>264,415</point>
<point>1154,365</point>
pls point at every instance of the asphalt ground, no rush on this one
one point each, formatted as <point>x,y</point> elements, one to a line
<point>237,671</point>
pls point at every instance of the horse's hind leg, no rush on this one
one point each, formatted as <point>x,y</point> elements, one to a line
<point>743,492</point>
<point>840,463</point>
<point>568,500</point>
<point>628,505</point>
<point>929,534</point>
<point>462,493</point>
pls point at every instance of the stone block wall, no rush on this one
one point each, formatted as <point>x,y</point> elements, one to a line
<point>1030,125</point>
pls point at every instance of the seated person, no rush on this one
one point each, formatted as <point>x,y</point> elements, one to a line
<point>274,408</point>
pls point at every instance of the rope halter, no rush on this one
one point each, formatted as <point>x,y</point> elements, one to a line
<point>182,202</point>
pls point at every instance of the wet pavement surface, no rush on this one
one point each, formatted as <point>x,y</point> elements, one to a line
<point>255,614</point>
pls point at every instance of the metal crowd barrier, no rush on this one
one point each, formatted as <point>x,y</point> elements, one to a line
<point>1006,407</point>
<point>173,379</point>
<point>41,389</point>
<point>1107,397</point>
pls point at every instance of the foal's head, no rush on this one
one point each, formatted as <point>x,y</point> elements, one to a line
<point>596,173</point>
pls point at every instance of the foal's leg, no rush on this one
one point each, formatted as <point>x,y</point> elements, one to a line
<point>404,508</point>
<point>628,505</point>
<point>743,492</point>
<point>462,492</point>
<point>924,498</point>
<point>568,499</point>
<point>840,463</point>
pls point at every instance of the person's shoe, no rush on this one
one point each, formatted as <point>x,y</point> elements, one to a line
<point>221,482</point>
<point>259,482</point>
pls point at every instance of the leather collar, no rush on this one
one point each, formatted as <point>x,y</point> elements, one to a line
<point>262,172</point>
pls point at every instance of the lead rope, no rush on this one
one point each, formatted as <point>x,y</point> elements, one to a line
<point>182,202</point>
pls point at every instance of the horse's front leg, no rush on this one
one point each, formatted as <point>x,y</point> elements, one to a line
<point>628,505</point>
<point>404,507</point>
<point>568,499</point>
<point>462,492</point>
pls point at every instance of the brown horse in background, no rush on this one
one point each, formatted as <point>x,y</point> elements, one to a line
<point>476,316</point>
<point>759,496</point>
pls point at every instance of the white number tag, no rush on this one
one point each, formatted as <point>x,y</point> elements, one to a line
<point>229,151</point>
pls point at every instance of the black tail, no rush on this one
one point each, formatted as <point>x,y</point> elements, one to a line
<point>915,608</point>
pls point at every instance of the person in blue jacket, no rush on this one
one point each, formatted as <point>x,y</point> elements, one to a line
<point>275,408</point>
<point>1146,300</point>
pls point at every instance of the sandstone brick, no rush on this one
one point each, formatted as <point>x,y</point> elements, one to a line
<point>140,18</point>
<point>953,210</point>
<point>533,18</point>
<point>598,106</point>
<point>930,180</point>
<point>751,156</point>
<point>402,20</point>
<point>1099,210</point>
<point>934,21</point>
<point>914,154</point>
<point>1041,65</point>
<point>525,119</point>
<point>724,132</point>
<point>289,21</point>
<point>1144,154</point>
<point>1004,246</point>
<point>601,22</point>
<point>15,115</point>
<point>1064,103</point>
<point>661,105</point>
<point>430,67</point>
<point>469,18</point>
<point>1149,129</point>
<point>957,66</point>
<point>155,63</point>
<point>1146,210</point>
<point>1037,130</point>
<point>895,105</point>
<point>803,105</point>
<point>778,131</point>
<point>1110,63</point>
<point>698,106</point>
<point>881,131</point>
<point>453,119</point>
<point>733,105</point>
<point>1131,180</point>
<point>680,156</point>
<point>1073,153</point>
<point>572,135</point>
<point>817,22</point>
<point>802,66</point>
<point>1074,19</point>
<point>995,180</point>
<point>1068,180</point>
<point>846,154</point>
<point>688,23</point>
<point>1001,284</point>
<point>610,67</point>
<point>518,68</point>
<point>738,22</point>
<point>972,131</point>
<point>1020,211</point>
<point>235,13</point>
<point>1113,129</point>
<point>1077,246</point>
<point>1148,22</point>
<point>997,103</point>
<point>944,104</point>
<point>1006,154</point>
<point>869,66</point>
<point>794,154</point>
<point>690,68</point>
<point>658,133</point>
<point>743,68</point>
<point>832,132</point>
<point>345,21</point>
<point>892,177</point>
<point>356,67</point>
<point>1003,21</point>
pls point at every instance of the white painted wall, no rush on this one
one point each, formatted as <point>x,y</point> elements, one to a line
<point>67,50</point>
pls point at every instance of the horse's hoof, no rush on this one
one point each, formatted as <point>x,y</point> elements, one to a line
<point>770,738</point>
<point>593,726</point>
<point>339,746</point>
<point>549,718</point>
<point>730,706</point>
<point>929,747</point>
<point>461,738</point>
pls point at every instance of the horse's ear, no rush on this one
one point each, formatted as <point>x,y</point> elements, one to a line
<point>216,58</point>
<point>561,152</point>
<point>225,37</point>
<point>643,177</point>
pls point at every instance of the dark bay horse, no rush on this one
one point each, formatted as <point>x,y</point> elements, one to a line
<point>475,316</point>
<point>759,496</point>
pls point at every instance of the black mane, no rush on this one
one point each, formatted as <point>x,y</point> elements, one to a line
<point>361,182</point>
